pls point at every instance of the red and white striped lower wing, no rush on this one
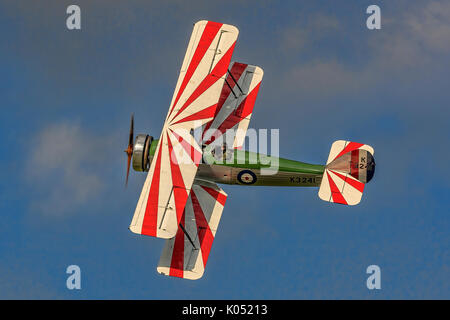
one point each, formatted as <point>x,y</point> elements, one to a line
<point>235,106</point>
<point>350,165</point>
<point>177,156</point>
<point>186,254</point>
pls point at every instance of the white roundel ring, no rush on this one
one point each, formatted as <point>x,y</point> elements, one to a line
<point>246,177</point>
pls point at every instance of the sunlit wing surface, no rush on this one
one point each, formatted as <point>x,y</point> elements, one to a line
<point>235,106</point>
<point>350,165</point>
<point>186,254</point>
<point>177,156</point>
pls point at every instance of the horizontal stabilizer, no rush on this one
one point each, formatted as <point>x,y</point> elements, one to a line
<point>350,165</point>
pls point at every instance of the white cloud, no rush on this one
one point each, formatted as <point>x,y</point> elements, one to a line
<point>322,77</point>
<point>64,168</point>
<point>414,39</point>
<point>305,31</point>
<point>406,49</point>
<point>431,26</point>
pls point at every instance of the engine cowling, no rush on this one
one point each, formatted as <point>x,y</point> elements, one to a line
<point>141,150</point>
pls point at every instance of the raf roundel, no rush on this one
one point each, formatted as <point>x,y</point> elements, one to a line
<point>246,177</point>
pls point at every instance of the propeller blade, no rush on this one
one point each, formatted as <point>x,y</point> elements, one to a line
<point>129,150</point>
<point>130,140</point>
<point>128,169</point>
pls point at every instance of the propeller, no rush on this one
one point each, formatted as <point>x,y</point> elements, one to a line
<point>129,149</point>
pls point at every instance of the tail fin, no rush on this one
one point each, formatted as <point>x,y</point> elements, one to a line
<point>350,165</point>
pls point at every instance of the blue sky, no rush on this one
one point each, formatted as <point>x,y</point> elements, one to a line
<point>66,99</point>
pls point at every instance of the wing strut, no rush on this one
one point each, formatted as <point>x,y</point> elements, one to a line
<point>187,236</point>
<point>234,80</point>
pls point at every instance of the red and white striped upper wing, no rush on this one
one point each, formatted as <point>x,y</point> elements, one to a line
<point>177,156</point>
<point>236,103</point>
<point>186,254</point>
<point>350,165</point>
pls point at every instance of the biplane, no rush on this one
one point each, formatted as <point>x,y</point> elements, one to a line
<point>181,200</point>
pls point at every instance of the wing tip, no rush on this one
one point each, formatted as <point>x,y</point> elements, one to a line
<point>135,229</point>
<point>231,28</point>
<point>226,27</point>
<point>165,271</point>
<point>259,70</point>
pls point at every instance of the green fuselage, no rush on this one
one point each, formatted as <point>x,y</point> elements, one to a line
<point>250,168</point>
